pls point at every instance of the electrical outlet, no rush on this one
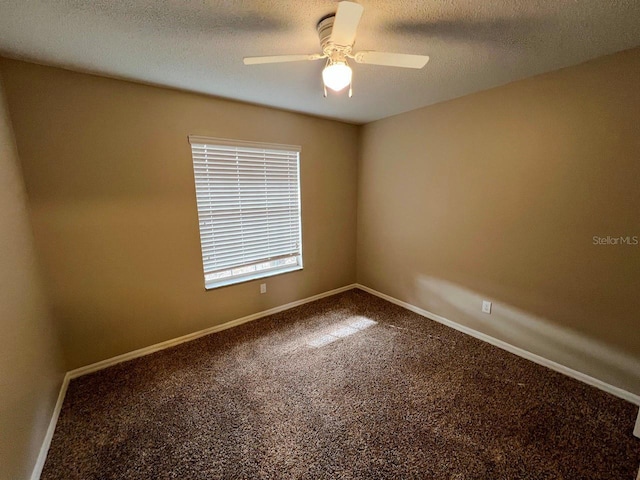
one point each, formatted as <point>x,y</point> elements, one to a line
<point>486,307</point>
<point>263,288</point>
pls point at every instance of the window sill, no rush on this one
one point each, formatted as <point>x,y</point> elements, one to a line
<point>248,278</point>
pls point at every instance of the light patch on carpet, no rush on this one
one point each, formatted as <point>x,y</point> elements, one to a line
<point>342,330</point>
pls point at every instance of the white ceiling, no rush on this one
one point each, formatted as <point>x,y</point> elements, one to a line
<point>199,45</point>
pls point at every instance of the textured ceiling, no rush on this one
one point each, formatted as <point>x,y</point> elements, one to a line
<point>199,45</point>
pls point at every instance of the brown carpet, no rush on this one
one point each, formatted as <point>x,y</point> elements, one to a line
<point>346,387</point>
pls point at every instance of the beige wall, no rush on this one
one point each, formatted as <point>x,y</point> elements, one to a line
<point>498,195</point>
<point>30,361</point>
<point>110,183</point>
<point>492,196</point>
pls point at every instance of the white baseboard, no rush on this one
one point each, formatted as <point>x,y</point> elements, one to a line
<point>618,392</point>
<point>94,367</point>
<point>46,443</point>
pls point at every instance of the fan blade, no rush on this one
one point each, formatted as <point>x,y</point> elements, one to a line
<point>346,23</point>
<point>280,58</point>
<point>404,60</point>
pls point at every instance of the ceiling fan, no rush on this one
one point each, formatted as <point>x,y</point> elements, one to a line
<point>337,34</point>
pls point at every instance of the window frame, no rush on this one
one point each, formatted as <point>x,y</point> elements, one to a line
<point>248,149</point>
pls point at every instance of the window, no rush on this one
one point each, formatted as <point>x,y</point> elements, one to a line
<point>248,197</point>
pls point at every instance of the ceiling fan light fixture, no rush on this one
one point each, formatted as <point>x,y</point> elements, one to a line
<point>337,75</point>
<point>337,34</point>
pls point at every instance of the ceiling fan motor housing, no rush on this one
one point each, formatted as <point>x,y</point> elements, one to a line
<point>331,50</point>
<point>324,27</point>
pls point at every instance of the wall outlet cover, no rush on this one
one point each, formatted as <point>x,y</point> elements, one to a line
<point>486,306</point>
<point>263,288</point>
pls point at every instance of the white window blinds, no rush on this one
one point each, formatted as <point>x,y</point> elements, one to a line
<point>248,197</point>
